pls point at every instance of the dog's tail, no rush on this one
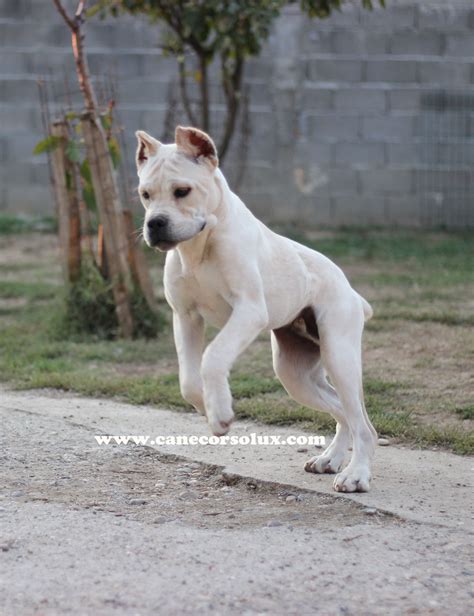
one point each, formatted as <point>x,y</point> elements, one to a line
<point>367,308</point>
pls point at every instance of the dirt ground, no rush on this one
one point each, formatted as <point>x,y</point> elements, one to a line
<point>92,530</point>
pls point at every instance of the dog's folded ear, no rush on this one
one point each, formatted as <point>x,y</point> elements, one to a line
<point>197,144</point>
<point>147,146</point>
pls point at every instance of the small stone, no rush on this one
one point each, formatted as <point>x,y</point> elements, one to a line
<point>187,495</point>
<point>369,510</point>
<point>290,499</point>
<point>302,450</point>
<point>138,501</point>
<point>160,520</point>
<point>18,493</point>
<point>183,469</point>
<point>274,523</point>
<point>383,442</point>
<point>6,545</point>
<point>230,478</point>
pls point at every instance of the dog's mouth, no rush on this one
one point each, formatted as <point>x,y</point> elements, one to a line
<point>165,246</point>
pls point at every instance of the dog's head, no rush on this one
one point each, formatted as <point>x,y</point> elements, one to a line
<point>176,186</point>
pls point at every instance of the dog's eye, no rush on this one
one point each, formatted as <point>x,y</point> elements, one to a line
<point>145,195</point>
<point>179,193</point>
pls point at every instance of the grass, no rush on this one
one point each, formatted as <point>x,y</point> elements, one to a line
<point>418,283</point>
<point>13,225</point>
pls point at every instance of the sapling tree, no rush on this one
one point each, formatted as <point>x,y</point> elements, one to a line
<point>226,31</point>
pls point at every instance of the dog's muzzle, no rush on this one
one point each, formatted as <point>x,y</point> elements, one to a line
<point>158,233</point>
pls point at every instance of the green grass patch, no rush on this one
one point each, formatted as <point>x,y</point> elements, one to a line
<point>465,412</point>
<point>12,225</point>
<point>39,348</point>
<point>12,289</point>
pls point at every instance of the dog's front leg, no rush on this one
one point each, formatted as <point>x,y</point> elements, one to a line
<point>188,329</point>
<point>245,323</point>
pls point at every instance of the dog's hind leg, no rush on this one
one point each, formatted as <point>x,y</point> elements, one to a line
<point>341,336</point>
<point>297,363</point>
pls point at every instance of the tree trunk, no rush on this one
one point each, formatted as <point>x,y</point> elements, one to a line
<point>204,85</point>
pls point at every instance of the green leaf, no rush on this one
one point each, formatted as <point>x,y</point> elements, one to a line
<point>47,145</point>
<point>114,149</point>
<point>68,180</point>
<point>73,152</point>
<point>85,172</point>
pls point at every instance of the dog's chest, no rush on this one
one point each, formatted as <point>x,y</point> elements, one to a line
<point>205,290</point>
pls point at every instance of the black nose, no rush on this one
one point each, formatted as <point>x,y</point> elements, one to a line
<point>158,223</point>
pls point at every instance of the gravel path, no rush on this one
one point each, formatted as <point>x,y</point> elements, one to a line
<point>131,530</point>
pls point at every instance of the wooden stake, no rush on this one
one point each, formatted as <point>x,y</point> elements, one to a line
<point>137,261</point>
<point>109,208</point>
<point>67,198</point>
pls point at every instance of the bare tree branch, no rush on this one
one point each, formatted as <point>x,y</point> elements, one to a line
<point>184,93</point>
<point>231,81</point>
<point>62,11</point>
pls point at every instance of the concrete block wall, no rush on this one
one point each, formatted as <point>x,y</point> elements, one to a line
<point>366,118</point>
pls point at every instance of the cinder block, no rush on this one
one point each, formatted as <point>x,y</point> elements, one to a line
<point>257,68</point>
<point>16,9</point>
<point>403,210</point>
<point>261,203</point>
<point>19,147</point>
<point>16,119</point>
<point>316,39</point>
<point>314,210</point>
<point>37,199</point>
<point>444,17</point>
<point>316,98</point>
<point>452,153</point>
<point>359,155</point>
<point>342,181</point>
<point>56,61</point>
<point>19,91</point>
<point>445,72</point>
<point>460,45</point>
<point>406,99</point>
<point>403,153</point>
<point>136,92</point>
<point>334,70</point>
<point>437,125</point>
<point>392,17</point>
<point>416,42</point>
<point>388,128</point>
<point>330,128</point>
<point>359,42</point>
<point>450,181</point>
<point>347,16</point>
<point>25,173</point>
<point>360,99</point>
<point>357,210</point>
<point>14,62</point>
<point>309,153</point>
<point>386,181</point>
<point>391,71</point>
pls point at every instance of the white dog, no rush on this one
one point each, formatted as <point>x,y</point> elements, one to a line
<point>230,270</point>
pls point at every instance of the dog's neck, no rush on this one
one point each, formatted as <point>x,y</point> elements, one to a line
<point>193,252</point>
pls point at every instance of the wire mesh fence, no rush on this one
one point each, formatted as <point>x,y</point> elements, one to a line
<point>444,180</point>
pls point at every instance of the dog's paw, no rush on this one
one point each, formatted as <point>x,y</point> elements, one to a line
<point>353,479</point>
<point>220,424</point>
<point>325,463</point>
